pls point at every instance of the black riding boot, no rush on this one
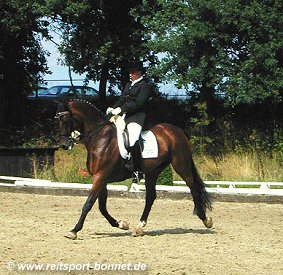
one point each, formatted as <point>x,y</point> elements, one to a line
<point>136,161</point>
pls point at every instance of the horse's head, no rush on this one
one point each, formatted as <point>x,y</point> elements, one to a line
<point>70,127</point>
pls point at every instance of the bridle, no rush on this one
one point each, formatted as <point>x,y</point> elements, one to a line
<point>74,135</point>
<point>60,114</point>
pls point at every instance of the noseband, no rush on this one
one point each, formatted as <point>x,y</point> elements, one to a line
<point>60,114</point>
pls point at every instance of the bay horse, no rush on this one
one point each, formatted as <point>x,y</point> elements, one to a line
<point>81,119</point>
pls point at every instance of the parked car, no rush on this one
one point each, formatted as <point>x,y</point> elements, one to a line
<point>38,92</point>
<point>67,92</point>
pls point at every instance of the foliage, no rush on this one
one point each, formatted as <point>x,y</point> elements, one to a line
<point>210,48</point>
<point>219,47</point>
<point>21,54</point>
<point>69,164</point>
<point>166,176</point>
<point>241,165</point>
<point>199,138</point>
<point>38,128</point>
<point>22,59</point>
<point>278,146</point>
<point>244,166</point>
<point>98,37</point>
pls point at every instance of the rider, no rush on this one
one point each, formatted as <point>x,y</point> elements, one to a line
<point>133,103</point>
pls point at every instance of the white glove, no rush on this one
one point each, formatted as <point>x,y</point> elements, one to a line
<point>109,109</point>
<point>116,111</point>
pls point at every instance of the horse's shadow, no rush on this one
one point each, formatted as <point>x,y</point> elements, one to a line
<point>153,233</point>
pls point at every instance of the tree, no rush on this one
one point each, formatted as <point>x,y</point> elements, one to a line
<point>256,69</point>
<point>21,56</point>
<point>214,47</point>
<point>99,37</point>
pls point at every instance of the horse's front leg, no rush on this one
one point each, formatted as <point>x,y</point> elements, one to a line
<point>102,200</point>
<point>94,193</point>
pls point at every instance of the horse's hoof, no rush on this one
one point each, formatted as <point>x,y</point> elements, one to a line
<point>71,235</point>
<point>208,222</point>
<point>137,232</point>
<point>124,225</point>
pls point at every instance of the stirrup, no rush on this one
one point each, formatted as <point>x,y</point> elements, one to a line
<point>137,176</point>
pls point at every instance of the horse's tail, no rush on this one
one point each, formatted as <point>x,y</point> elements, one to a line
<point>201,198</point>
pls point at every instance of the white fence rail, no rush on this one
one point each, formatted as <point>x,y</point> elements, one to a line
<point>223,187</point>
<point>17,181</point>
<point>220,187</point>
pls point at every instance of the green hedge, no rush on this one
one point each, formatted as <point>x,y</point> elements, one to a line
<point>166,176</point>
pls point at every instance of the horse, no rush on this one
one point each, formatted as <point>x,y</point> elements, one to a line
<point>81,120</point>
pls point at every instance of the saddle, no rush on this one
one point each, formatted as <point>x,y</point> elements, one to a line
<point>147,140</point>
<point>126,140</point>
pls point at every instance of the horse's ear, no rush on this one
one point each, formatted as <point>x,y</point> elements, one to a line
<point>65,103</point>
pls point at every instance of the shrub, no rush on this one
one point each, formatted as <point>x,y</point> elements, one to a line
<point>166,176</point>
<point>200,139</point>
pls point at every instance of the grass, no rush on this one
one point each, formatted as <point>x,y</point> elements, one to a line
<point>249,166</point>
<point>240,167</point>
<point>70,166</point>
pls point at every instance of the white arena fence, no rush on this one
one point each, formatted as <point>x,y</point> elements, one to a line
<point>219,187</point>
<point>223,187</point>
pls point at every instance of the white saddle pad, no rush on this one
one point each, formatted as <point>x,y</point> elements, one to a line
<point>149,140</point>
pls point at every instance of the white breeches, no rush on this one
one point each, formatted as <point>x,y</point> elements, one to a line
<point>134,130</point>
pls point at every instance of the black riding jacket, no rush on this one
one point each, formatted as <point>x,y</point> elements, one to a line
<point>133,101</point>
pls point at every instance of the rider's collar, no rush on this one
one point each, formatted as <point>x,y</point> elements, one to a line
<point>136,81</point>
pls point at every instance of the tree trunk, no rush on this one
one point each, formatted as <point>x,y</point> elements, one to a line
<point>207,95</point>
<point>102,86</point>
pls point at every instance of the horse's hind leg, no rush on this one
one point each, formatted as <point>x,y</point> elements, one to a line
<point>102,199</point>
<point>188,172</point>
<point>150,181</point>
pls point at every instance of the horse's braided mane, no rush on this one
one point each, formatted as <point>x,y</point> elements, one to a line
<point>100,124</point>
<point>89,103</point>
